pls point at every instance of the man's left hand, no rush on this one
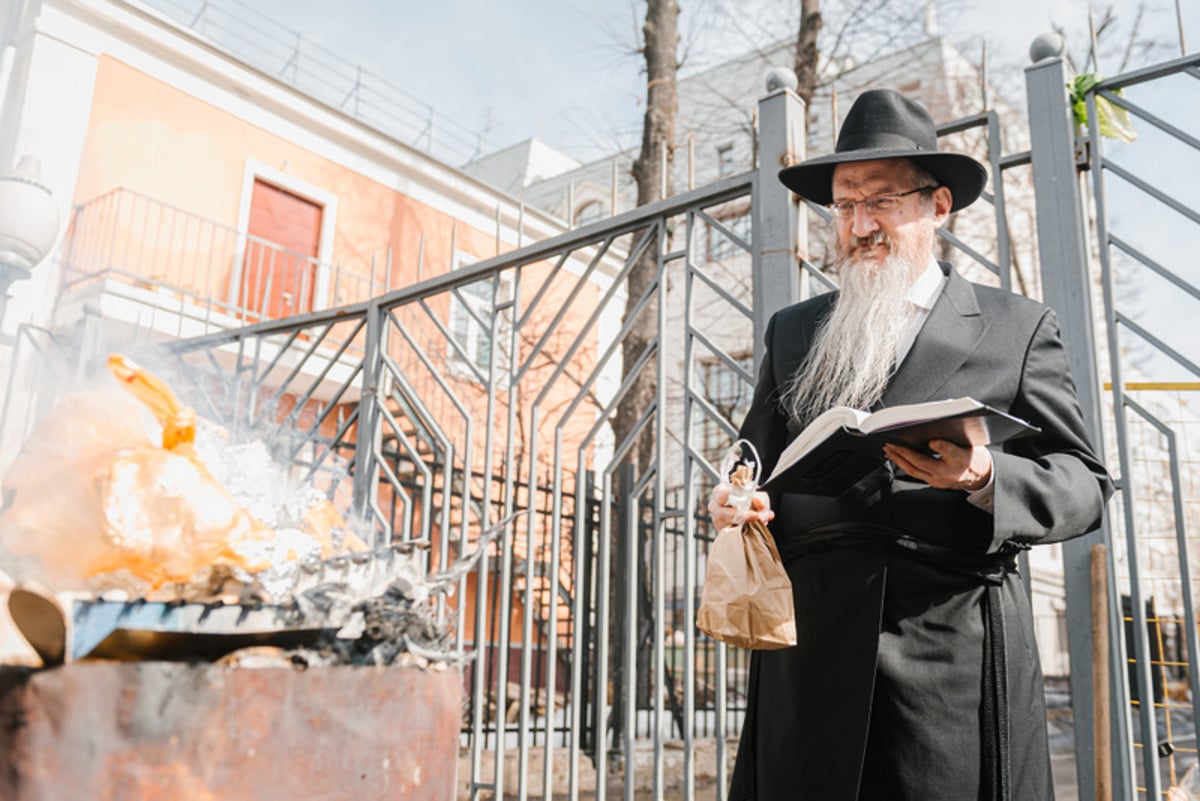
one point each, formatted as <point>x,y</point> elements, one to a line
<point>958,468</point>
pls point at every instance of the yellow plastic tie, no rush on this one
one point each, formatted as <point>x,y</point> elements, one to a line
<point>177,420</point>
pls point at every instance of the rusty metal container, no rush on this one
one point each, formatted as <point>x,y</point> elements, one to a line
<point>128,731</point>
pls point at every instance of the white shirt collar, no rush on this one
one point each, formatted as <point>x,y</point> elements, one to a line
<point>925,290</point>
<point>923,293</point>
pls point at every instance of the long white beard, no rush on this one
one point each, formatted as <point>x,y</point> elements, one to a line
<point>855,350</point>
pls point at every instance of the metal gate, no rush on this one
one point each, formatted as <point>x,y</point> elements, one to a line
<point>1122,220</point>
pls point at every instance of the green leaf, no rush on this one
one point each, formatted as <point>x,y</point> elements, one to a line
<point>1113,121</point>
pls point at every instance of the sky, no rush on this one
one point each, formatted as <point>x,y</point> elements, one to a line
<point>567,71</point>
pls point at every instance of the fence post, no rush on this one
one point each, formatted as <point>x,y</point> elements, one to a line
<point>588,555</point>
<point>625,529</point>
<point>1066,286</point>
<point>367,440</point>
<point>778,234</point>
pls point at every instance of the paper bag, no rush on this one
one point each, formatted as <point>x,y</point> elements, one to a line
<point>746,600</point>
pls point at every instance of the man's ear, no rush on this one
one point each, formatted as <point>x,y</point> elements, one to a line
<point>942,201</point>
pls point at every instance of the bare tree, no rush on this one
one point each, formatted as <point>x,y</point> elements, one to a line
<point>807,64</point>
<point>652,171</point>
<point>1115,42</point>
<point>653,175</point>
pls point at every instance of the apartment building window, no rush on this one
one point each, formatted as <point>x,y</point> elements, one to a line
<point>471,311</point>
<point>729,393</point>
<point>589,212</point>
<point>719,245</point>
<point>725,160</point>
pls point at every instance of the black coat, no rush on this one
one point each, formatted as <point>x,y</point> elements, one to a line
<point>883,695</point>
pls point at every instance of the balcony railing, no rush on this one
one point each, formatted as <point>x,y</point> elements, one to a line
<point>200,269</point>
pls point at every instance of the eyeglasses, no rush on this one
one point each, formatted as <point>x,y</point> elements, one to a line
<point>880,204</point>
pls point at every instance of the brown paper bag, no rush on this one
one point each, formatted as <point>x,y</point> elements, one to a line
<point>746,600</point>
<point>747,597</point>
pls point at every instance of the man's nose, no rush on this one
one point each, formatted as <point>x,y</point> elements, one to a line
<point>863,222</point>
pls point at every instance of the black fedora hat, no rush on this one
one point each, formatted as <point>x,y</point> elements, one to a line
<point>884,124</point>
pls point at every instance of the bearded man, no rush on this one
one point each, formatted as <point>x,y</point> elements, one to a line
<point>915,676</point>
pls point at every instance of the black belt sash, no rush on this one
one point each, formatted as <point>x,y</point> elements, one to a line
<point>991,570</point>
<point>994,714</point>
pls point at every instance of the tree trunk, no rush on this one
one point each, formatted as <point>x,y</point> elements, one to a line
<point>807,54</point>
<point>652,172</point>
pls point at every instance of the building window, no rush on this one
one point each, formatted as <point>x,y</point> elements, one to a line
<point>719,245</point>
<point>589,212</point>
<point>729,393</point>
<point>472,309</point>
<point>725,160</point>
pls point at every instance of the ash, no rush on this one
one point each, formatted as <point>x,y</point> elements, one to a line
<point>409,618</point>
<point>392,625</point>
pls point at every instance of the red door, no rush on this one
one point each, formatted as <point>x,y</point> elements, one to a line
<point>280,267</point>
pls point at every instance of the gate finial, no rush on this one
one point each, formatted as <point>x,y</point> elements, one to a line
<point>1048,45</point>
<point>781,78</point>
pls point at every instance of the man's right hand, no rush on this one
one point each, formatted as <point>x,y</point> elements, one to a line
<point>724,516</point>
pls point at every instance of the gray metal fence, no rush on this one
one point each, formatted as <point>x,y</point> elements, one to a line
<point>1114,222</point>
<point>1146,209</point>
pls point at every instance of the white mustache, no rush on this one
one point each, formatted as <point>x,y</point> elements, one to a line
<point>869,241</point>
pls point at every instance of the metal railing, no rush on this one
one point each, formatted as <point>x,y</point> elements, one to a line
<point>1153,426</point>
<point>200,270</point>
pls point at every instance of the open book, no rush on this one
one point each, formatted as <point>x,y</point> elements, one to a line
<point>843,445</point>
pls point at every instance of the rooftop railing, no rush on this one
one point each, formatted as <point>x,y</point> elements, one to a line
<point>285,54</point>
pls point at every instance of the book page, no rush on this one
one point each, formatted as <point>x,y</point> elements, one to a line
<point>816,433</point>
<point>911,413</point>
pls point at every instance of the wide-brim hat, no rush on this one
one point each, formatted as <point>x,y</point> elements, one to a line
<point>884,124</point>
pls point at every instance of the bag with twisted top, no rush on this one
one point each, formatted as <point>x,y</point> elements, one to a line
<point>746,600</point>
